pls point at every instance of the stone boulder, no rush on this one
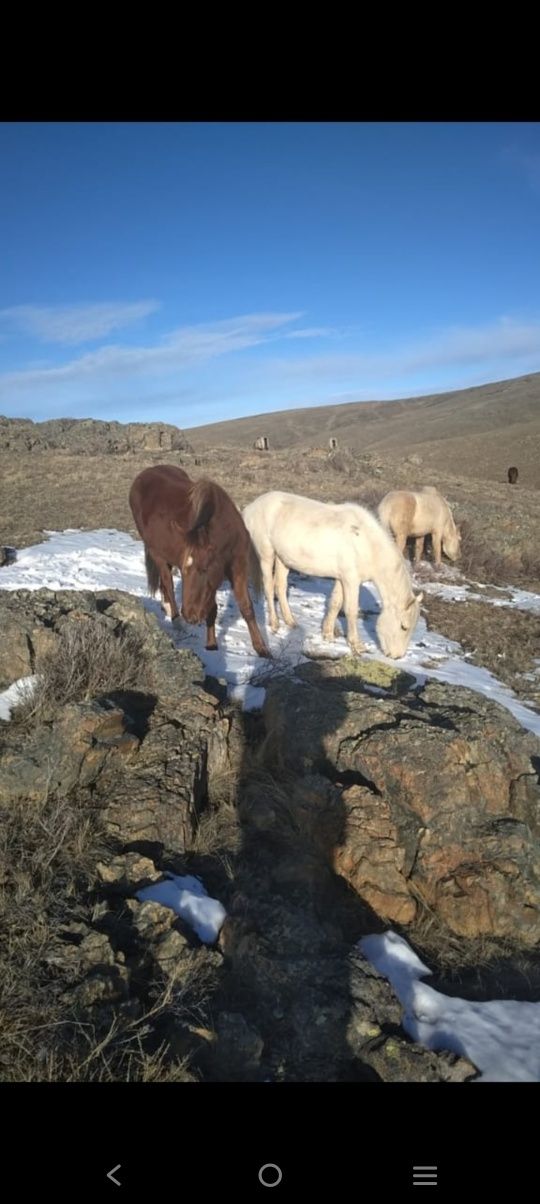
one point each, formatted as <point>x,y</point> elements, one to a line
<point>144,756</point>
<point>439,796</point>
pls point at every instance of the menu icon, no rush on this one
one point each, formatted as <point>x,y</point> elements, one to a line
<point>424,1176</point>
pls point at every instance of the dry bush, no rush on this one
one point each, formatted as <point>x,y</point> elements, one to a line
<point>46,857</point>
<point>47,868</point>
<point>478,558</point>
<point>369,496</point>
<point>482,967</point>
<point>219,834</point>
<point>530,566</point>
<point>342,461</point>
<point>89,659</point>
<point>482,561</point>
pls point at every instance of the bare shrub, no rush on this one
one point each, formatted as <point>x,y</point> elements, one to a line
<point>530,565</point>
<point>370,495</point>
<point>480,559</point>
<point>341,462</point>
<point>48,854</point>
<point>90,658</point>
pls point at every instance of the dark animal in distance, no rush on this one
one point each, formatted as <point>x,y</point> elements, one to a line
<point>8,555</point>
<point>512,475</point>
<point>196,527</point>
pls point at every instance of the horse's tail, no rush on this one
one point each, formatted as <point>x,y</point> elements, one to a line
<point>152,572</point>
<point>254,569</point>
<point>383,513</point>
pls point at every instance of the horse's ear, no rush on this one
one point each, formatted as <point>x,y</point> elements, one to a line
<point>415,598</point>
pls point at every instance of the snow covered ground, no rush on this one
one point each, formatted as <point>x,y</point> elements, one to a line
<point>108,559</point>
<point>502,1038</point>
<point>459,591</point>
<point>189,899</point>
<point>16,693</point>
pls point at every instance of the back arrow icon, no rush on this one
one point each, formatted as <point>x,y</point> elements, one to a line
<point>110,1175</point>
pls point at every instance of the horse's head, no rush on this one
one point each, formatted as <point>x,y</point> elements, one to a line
<point>395,626</point>
<point>451,539</point>
<point>202,564</point>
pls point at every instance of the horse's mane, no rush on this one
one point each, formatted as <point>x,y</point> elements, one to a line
<point>397,565</point>
<point>206,498</point>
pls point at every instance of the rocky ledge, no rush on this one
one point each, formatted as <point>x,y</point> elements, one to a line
<point>390,803</point>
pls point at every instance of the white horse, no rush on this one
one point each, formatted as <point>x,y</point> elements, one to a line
<point>343,541</point>
<point>421,512</point>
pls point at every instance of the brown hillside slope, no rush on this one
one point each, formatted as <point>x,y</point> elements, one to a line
<point>477,432</point>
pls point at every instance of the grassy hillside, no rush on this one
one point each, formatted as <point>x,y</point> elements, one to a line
<point>478,432</point>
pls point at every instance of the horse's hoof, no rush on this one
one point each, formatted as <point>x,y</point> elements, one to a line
<point>211,647</point>
<point>265,652</point>
<point>178,622</point>
<point>288,623</point>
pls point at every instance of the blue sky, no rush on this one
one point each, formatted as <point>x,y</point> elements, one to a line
<point>194,272</point>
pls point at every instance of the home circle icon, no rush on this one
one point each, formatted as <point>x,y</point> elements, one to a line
<point>270,1175</point>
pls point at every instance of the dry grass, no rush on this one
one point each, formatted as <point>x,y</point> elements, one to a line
<point>480,560</point>
<point>47,859</point>
<point>483,967</point>
<point>219,835</point>
<point>483,561</point>
<point>503,640</point>
<point>89,659</point>
<point>45,865</point>
<point>370,495</point>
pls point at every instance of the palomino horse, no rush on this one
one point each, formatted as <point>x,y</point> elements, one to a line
<point>345,542</point>
<point>195,526</point>
<point>419,513</point>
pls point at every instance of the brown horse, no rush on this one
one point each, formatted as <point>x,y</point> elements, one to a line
<point>512,475</point>
<point>196,527</point>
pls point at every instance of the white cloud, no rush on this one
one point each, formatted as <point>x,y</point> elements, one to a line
<point>313,332</point>
<point>505,339</point>
<point>176,378</point>
<point>71,324</point>
<point>182,348</point>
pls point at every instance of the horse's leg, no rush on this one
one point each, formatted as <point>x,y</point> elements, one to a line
<point>436,541</point>
<point>418,548</point>
<point>401,541</point>
<point>165,604</point>
<point>267,571</point>
<point>238,581</point>
<point>211,641</point>
<point>330,628</point>
<point>281,574</point>
<point>350,606</point>
<point>167,590</point>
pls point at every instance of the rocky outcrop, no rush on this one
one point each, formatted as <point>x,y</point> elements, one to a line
<point>90,436</point>
<point>438,796</point>
<point>142,756</point>
<point>390,799</point>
